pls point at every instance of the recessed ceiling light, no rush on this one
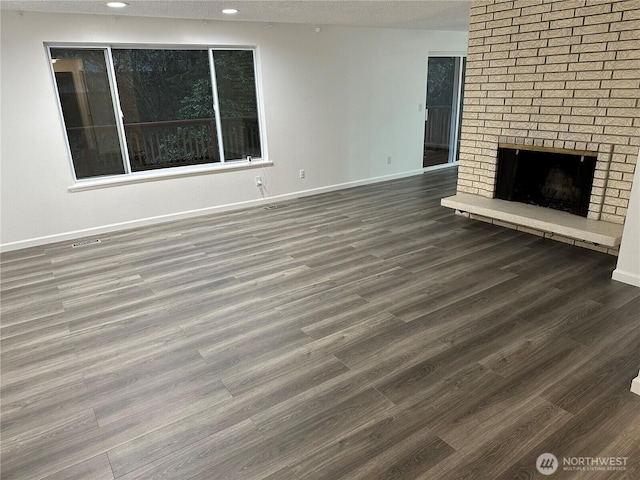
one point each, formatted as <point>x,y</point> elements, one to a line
<point>230,11</point>
<point>117,4</point>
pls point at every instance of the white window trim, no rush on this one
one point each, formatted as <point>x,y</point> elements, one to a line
<point>130,177</point>
<point>117,110</point>
<point>165,174</point>
<point>216,103</point>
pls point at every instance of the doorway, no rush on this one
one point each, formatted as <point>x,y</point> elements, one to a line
<point>443,113</point>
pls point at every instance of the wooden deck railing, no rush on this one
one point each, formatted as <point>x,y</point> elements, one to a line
<point>438,127</point>
<point>190,142</point>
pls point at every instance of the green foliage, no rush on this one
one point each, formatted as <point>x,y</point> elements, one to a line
<point>440,81</point>
<point>236,83</point>
<point>198,103</point>
<point>153,84</point>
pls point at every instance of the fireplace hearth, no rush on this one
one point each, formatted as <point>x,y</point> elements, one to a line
<point>552,178</point>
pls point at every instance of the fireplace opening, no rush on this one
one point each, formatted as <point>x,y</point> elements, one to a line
<point>551,178</point>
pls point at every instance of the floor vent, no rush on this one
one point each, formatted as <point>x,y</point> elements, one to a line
<point>276,206</point>
<point>85,243</point>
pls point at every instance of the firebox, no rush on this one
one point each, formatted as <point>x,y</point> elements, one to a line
<point>552,178</point>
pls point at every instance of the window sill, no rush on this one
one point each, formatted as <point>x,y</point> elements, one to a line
<point>164,174</point>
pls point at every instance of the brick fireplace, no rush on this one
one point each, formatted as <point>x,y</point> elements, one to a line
<point>557,76</point>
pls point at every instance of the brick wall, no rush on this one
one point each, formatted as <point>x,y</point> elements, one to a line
<point>554,73</point>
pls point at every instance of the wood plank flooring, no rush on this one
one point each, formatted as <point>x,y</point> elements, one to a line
<point>362,334</point>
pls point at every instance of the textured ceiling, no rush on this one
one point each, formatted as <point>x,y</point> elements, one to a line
<point>421,14</point>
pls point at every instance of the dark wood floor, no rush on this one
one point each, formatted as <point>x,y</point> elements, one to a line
<point>367,333</point>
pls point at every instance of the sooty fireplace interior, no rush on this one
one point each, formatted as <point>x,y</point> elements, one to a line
<point>552,178</point>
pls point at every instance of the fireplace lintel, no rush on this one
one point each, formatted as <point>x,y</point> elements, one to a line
<point>535,148</point>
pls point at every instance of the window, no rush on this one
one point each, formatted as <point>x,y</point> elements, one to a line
<point>238,104</point>
<point>167,105</point>
<point>131,110</point>
<point>87,106</point>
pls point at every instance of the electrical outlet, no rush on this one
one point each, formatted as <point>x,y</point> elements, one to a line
<point>258,181</point>
<point>388,160</point>
<point>302,174</point>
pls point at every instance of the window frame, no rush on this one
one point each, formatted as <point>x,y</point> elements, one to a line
<point>130,176</point>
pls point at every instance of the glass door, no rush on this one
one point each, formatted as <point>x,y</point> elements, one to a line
<point>445,81</point>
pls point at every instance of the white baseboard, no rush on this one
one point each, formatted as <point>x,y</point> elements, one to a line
<point>635,385</point>
<point>626,277</point>
<point>114,227</point>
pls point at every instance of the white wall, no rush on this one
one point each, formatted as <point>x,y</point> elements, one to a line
<point>337,104</point>
<point>635,385</point>
<point>628,267</point>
